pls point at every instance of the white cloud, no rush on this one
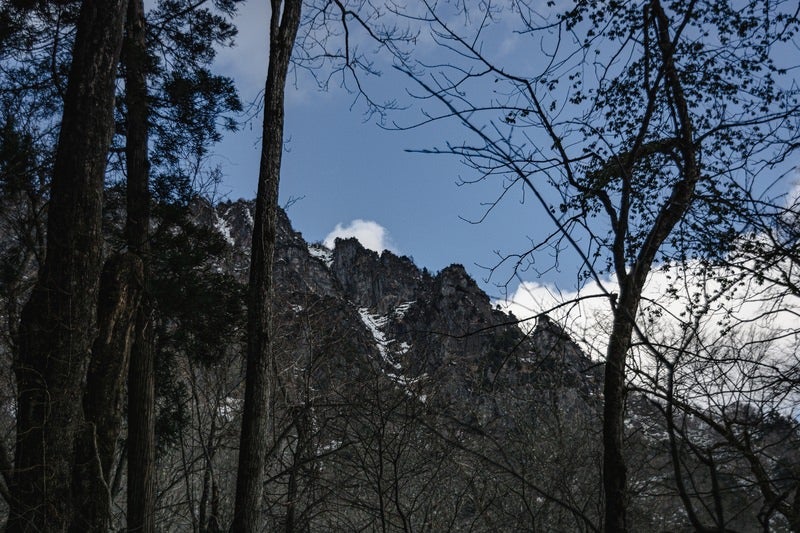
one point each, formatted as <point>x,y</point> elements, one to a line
<point>672,297</point>
<point>747,338</point>
<point>370,234</point>
<point>585,314</point>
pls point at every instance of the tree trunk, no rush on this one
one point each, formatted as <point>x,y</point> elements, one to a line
<point>209,517</point>
<point>284,22</point>
<point>57,323</point>
<point>120,293</point>
<point>632,284</point>
<point>614,469</point>
<point>141,379</point>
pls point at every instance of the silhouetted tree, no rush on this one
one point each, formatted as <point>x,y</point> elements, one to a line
<point>640,121</point>
<point>284,22</point>
<point>56,327</point>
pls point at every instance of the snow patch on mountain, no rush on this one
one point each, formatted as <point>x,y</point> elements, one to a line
<point>322,253</point>
<point>374,323</point>
<point>230,407</point>
<point>224,229</point>
<point>403,308</point>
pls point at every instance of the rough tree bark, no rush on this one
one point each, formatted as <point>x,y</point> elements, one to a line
<point>57,323</point>
<point>119,317</point>
<point>141,378</point>
<point>284,22</point>
<point>120,293</point>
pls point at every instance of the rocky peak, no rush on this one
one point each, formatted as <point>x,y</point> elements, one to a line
<point>234,221</point>
<point>440,326</point>
<point>379,282</point>
<point>559,358</point>
<point>460,304</point>
<point>454,279</point>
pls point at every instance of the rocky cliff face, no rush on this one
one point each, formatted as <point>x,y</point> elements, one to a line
<point>436,336</point>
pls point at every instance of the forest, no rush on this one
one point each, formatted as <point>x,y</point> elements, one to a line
<point>170,361</point>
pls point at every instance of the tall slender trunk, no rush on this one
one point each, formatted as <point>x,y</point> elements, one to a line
<point>614,469</point>
<point>141,379</point>
<point>284,22</point>
<point>57,323</point>
<point>209,503</point>
<point>120,320</point>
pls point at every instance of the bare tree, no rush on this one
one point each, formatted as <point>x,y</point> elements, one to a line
<point>631,128</point>
<point>720,376</point>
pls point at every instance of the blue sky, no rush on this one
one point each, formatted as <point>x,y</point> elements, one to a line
<point>347,172</point>
<point>343,167</point>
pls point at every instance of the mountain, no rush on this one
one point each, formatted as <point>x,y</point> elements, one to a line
<point>408,399</point>
<point>383,365</point>
<point>402,400</point>
<point>418,327</point>
<point>377,357</point>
